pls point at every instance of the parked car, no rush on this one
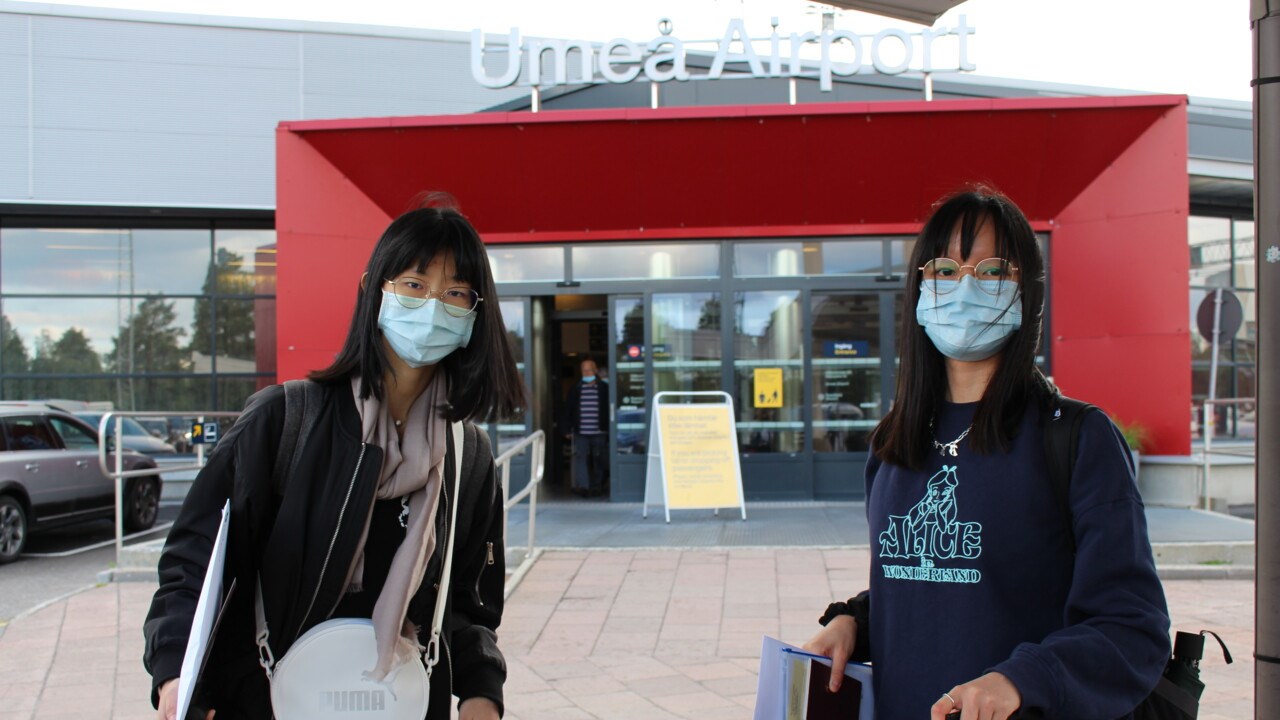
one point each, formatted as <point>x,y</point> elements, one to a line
<point>50,477</point>
<point>136,437</point>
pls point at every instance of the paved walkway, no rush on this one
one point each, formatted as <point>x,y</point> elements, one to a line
<point>649,635</point>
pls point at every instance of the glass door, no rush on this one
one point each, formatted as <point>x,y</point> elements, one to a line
<point>852,348</point>
<point>630,434</point>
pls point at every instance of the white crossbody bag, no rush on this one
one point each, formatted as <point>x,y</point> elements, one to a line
<point>321,677</point>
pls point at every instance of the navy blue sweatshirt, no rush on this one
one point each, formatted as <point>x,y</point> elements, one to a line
<point>972,571</point>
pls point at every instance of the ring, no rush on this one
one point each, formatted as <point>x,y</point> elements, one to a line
<point>953,700</point>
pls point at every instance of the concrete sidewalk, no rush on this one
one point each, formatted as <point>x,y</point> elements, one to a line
<point>649,635</point>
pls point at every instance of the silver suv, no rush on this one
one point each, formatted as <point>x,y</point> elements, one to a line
<point>49,477</point>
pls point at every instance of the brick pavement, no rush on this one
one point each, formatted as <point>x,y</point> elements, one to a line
<point>589,634</point>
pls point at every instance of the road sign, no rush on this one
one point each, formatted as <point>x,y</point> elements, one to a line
<point>1230,321</point>
<point>204,433</point>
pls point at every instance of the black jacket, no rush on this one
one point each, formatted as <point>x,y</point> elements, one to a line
<point>572,416</point>
<point>302,544</point>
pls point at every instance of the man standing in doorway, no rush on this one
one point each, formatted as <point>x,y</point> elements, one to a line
<point>588,419</point>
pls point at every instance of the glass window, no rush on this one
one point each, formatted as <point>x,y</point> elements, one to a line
<point>900,255</point>
<point>244,262</point>
<point>512,310</point>
<point>103,262</point>
<point>243,333</point>
<point>526,264</point>
<point>29,434</point>
<point>853,257</point>
<point>632,261</point>
<point>1242,274</point>
<point>782,258</point>
<point>233,392</point>
<point>631,420</point>
<point>1210,240</point>
<point>846,370</point>
<point>73,436</point>
<point>767,329</point>
<point>125,335</point>
<point>686,342</point>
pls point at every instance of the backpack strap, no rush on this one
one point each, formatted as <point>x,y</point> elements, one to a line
<point>1062,420</point>
<point>302,401</point>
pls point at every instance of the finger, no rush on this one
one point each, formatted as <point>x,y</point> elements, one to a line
<point>838,660</point>
<point>939,710</point>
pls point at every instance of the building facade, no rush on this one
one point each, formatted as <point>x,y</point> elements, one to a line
<point>147,257</point>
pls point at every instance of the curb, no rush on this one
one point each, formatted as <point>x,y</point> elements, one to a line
<point>1205,572</point>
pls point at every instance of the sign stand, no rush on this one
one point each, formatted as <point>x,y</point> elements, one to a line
<point>693,455</point>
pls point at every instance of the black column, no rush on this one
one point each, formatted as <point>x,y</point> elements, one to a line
<point>1265,17</point>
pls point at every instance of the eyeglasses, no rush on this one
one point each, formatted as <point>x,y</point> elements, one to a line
<point>412,293</point>
<point>943,274</point>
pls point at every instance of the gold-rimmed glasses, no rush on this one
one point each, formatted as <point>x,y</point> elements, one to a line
<point>412,293</point>
<point>943,274</point>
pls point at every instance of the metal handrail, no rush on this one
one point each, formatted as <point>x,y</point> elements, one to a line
<point>537,445</point>
<point>119,474</point>
<point>1208,430</point>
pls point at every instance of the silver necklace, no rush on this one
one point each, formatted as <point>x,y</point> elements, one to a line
<point>404,511</point>
<point>953,447</point>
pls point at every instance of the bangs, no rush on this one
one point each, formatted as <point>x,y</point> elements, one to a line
<point>451,235</point>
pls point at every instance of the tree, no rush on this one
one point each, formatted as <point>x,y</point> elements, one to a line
<point>149,342</point>
<point>233,334</point>
<point>13,352</point>
<point>70,354</point>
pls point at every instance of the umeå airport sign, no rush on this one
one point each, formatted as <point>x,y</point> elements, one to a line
<point>891,51</point>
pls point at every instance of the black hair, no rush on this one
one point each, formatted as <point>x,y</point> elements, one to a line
<point>484,383</point>
<point>903,437</point>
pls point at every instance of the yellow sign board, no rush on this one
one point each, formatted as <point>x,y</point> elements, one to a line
<point>699,456</point>
<point>768,388</point>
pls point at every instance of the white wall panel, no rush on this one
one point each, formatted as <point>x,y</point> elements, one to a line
<point>154,168</point>
<point>163,43</point>
<point>127,111</point>
<point>125,96</point>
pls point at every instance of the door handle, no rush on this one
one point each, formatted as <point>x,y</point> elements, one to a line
<point>33,467</point>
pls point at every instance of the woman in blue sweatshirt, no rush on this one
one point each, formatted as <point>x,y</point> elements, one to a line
<point>982,599</point>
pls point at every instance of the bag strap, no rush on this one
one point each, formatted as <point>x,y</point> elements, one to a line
<point>302,402</point>
<point>437,621</point>
<point>1063,418</point>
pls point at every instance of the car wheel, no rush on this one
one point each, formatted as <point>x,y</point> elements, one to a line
<point>13,529</point>
<point>142,505</point>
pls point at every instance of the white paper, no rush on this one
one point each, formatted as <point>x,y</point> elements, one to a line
<point>206,613</point>
<point>771,690</point>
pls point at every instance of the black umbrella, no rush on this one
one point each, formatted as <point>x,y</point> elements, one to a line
<point>1177,696</point>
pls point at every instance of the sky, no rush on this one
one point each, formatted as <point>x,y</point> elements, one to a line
<point>1195,47</point>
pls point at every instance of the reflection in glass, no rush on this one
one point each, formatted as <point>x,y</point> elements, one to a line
<point>900,255</point>
<point>766,337</point>
<point>846,370</point>
<point>526,264</point>
<point>127,335</point>
<point>1243,274</point>
<point>864,256</point>
<point>511,430</point>
<point>631,421</point>
<point>74,261</point>
<point>686,342</point>
<point>1210,239</point>
<point>244,262</point>
<point>632,261</point>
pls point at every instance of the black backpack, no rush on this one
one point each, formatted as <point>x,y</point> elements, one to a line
<point>1177,695</point>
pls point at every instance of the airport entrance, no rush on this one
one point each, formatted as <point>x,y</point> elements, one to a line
<point>822,314</point>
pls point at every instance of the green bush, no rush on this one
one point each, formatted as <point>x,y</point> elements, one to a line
<point>1135,435</point>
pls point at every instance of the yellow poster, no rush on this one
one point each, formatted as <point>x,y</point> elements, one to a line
<point>699,456</point>
<point>768,388</point>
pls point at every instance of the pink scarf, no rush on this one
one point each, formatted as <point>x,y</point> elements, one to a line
<point>412,466</point>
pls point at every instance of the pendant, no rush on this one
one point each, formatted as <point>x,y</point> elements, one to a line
<point>952,448</point>
<point>404,512</point>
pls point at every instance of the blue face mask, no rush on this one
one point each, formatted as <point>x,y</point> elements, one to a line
<point>972,321</point>
<point>588,378</point>
<point>425,335</point>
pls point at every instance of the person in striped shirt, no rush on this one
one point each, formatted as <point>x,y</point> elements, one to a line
<point>587,408</point>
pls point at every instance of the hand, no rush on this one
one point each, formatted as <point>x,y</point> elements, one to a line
<point>168,706</point>
<point>835,641</point>
<point>990,697</point>
<point>477,708</point>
